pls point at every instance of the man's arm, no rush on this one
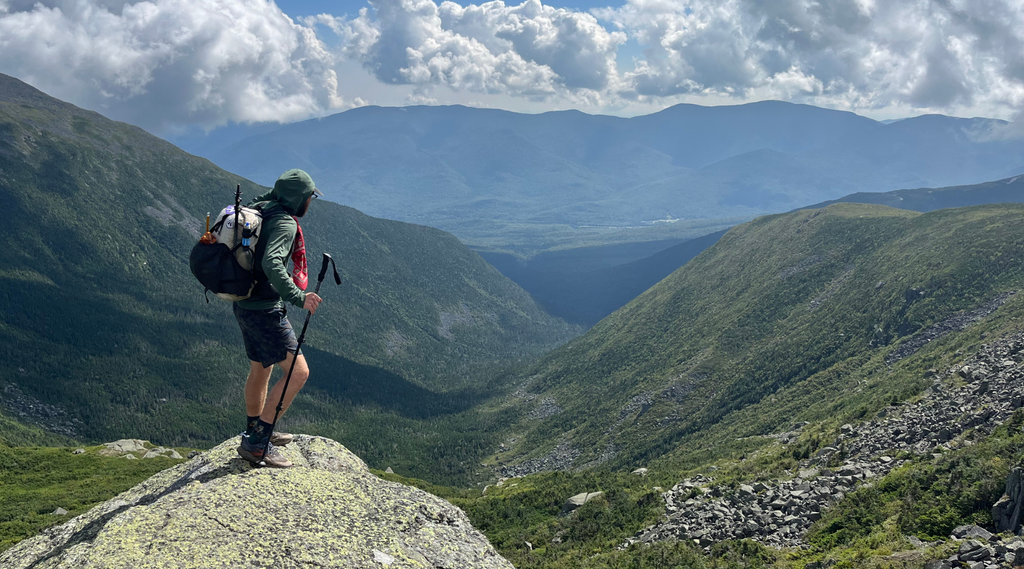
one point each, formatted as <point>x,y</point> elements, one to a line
<point>280,233</point>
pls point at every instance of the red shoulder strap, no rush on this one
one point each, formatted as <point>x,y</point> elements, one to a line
<point>300,274</point>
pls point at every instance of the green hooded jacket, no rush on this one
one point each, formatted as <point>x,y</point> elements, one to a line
<point>277,237</point>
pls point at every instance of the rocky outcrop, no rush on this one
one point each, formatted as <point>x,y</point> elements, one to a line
<point>1006,512</point>
<point>136,448</point>
<point>216,510</point>
<point>954,323</point>
<point>979,394</point>
<point>578,500</point>
<point>123,446</point>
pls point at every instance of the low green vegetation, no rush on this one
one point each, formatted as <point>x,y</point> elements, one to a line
<point>842,376</point>
<point>788,318</point>
<point>35,481</point>
<point>15,433</point>
<point>870,528</point>
<point>930,496</point>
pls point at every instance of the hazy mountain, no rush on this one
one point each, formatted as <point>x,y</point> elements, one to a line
<point>929,150</point>
<point>485,173</point>
<point>103,327</point>
<point>697,136</point>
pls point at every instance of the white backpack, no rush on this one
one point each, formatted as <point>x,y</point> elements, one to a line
<point>222,260</point>
<point>241,240</point>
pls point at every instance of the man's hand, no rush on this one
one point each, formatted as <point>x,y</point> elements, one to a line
<point>312,301</point>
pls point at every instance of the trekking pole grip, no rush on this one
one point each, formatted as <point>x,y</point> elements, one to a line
<point>323,267</point>
<point>328,260</point>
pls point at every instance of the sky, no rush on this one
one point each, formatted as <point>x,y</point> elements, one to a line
<point>175,65</point>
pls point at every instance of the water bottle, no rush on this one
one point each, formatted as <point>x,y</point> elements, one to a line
<point>245,235</point>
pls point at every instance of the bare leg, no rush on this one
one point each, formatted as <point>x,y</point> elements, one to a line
<point>299,377</point>
<point>256,388</point>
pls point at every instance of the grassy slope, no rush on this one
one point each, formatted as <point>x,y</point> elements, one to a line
<point>733,327</point>
<point>35,481</point>
<point>864,530</point>
<point>100,217</point>
<point>17,433</point>
<point>1010,190</point>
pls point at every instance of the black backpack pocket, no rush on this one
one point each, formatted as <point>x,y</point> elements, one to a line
<point>216,267</point>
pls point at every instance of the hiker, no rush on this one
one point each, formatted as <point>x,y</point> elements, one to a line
<point>267,333</point>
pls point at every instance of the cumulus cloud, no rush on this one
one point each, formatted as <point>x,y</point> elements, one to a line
<point>528,50</point>
<point>163,63</point>
<point>860,54</point>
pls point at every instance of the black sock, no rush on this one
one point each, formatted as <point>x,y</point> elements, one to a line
<point>261,432</point>
<point>250,424</point>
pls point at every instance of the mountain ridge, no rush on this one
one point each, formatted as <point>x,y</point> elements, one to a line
<point>478,172</point>
<point>762,310</point>
<point>1007,190</point>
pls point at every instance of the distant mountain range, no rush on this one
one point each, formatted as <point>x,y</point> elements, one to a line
<point>482,173</point>
<point>105,334</point>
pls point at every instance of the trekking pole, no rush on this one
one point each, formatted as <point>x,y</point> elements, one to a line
<point>328,260</point>
<point>238,206</point>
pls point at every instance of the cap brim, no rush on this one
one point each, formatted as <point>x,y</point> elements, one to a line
<point>318,193</point>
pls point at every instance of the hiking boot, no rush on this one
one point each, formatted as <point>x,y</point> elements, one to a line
<point>281,439</point>
<point>254,454</point>
<point>278,439</point>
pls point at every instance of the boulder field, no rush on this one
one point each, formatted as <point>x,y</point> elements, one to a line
<point>217,510</point>
<point>979,394</point>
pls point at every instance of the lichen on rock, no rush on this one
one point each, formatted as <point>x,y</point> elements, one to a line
<point>216,510</point>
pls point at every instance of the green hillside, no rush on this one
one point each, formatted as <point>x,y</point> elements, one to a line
<point>1009,190</point>
<point>104,333</point>
<point>769,326</point>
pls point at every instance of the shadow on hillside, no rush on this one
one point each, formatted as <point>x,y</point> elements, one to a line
<point>359,384</point>
<point>584,285</point>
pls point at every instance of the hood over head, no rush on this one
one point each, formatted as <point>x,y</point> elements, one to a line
<point>292,190</point>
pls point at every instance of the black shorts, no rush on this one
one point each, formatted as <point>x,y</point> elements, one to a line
<point>267,334</point>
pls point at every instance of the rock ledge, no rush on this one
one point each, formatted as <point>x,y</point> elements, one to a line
<point>218,511</point>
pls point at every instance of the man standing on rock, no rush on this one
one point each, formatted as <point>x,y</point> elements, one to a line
<point>268,335</point>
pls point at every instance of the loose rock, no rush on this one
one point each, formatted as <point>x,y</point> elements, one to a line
<point>781,511</point>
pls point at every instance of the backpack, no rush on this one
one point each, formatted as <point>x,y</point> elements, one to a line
<point>222,260</point>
